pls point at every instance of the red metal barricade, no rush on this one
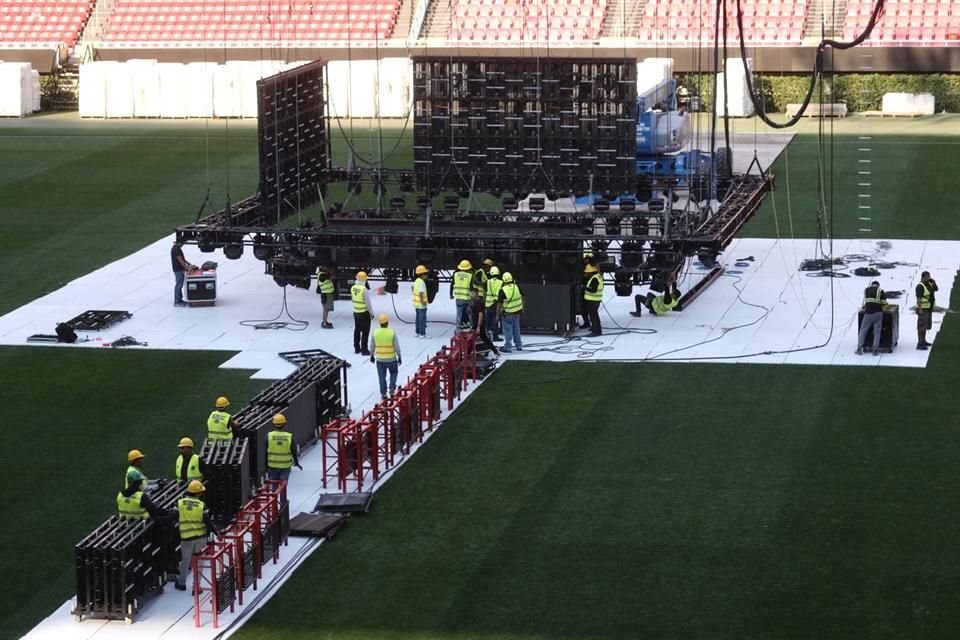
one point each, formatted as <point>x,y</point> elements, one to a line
<point>208,588</point>
<point>240,535</point>
<point>464,347</point>
<point>337,461</point>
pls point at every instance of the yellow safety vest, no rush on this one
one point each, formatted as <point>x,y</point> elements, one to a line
<point>280,449</point>
<point>594,296</point>
<point>513,299</point>
<point>419,286</point>
<point>660,307</point>
<point>126,477</point>
<point>924,301</point>
<point>193,468</point>
<point>129,507</point>
<point>356,294</point>
<point>877,297</point>
<point>191,518</point>
<point>218,426</point>
<point>383,341</point>
<point>324,286</point>
<point>480,278</point>
<point>493,290</point>
<point>461,285</point>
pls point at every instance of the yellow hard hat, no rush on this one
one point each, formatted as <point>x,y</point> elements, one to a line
<point>279,419</point>
<point>464,265</point>
<point>361,275</point>
<point>222,402</point>
<point>508,277</point>
<point>494,271</point>
<point>134,455</point>
<point>489,262</point>
<point>195,486</point>
<point>420,270</point>
<point>383,318</point>
<point>589,269</point>
<point>185,442</point>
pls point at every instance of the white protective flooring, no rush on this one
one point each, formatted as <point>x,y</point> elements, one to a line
<point>769,312</point>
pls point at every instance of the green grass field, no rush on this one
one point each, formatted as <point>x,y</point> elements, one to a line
<point>563,501</point>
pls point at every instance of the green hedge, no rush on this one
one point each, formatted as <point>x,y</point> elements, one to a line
<point>861,92</point>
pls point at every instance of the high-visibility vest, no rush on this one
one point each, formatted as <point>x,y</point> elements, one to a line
<point>493,290</point>
<point>461,285</point>
<point>924,301</point>
<point>324,285</point>
<point>512,298</point>
<point>876,298</point>
<point>480,279</point>
<point>420,287</point>
<point>356,294</point>
<point>190,511</point>
<point>383,341</point>
<point>128,507</point>
<point>193,468</point>
<point>660,307</point>
<point>280,449</point>
<point>133,469</point>
<point>218,426</point>
<point>594,296</point>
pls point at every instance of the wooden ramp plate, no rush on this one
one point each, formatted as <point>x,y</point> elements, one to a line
<point>313,525</point>
<point>344,503</point>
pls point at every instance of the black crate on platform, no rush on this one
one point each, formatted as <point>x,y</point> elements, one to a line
<point>228,478</point>
<point>504,124</point>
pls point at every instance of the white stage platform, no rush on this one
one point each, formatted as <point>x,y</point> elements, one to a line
<point>769,312</point>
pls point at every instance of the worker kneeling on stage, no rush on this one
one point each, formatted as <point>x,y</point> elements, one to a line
<point>662,300</point>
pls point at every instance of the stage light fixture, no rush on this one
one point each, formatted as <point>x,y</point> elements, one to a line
<point>601,205</point>
<point>613,226</point>
<point>423,202</point>
<point>398,202</point>
<point>233,251</point>
<point>406,182</point>
<point>627,205</point>
<point>655,206</point>
<point>207,244</point>
<point>537,204</point>
<point>509,203</point>
<point>392,285</point>
<point>630,255</point>
<point>262,247</point>
<point>451,203</point>
<point>622,284</point>
<point>426,251</point>
<point>707,258</point>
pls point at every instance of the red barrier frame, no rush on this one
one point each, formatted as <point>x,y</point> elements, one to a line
<point>335,436</point>
<point>278,489</point>
<point>215,559</point>
<point>240,535</point>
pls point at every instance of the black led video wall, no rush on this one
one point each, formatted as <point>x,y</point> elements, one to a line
<point>293,141</point>
<point>512,125</point>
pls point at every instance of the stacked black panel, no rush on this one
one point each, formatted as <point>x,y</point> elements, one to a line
<point>525,125</point>
<point>228,479</point>
<point>123,563</point>
<point>292,139</point>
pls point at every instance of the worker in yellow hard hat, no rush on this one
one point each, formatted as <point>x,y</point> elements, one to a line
<point>327,288</point>
<point>220,424</point>
<point>362,313</point>
<point>509,310</point>
<point>195,524</point>
<point>189,465</point>
<point>421,300</point>
<point>491,322</point>
<point>386,353</point>
<point>134,468</point>
<point>460,292</point>
<point>592,297</point>
<point>281,450</point>
<point>134,504</point>
<point>481,275</point>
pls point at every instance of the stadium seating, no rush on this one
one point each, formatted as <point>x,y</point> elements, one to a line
<point>42,23</point>
<point>480,21</point>
<point>236,22</point>
<point>688,22</point>
<point>929,22</point>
